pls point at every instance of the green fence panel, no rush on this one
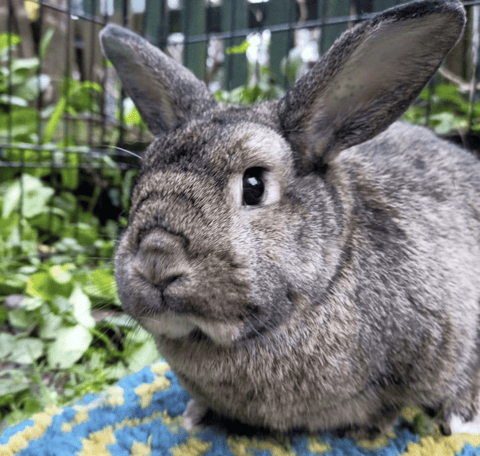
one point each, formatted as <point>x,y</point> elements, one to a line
<point>328,9</point>
<point>194,21</point>
<point>154,21</point>
<point>234,17</point>
<point>280,12</point>
<point>381,5</point>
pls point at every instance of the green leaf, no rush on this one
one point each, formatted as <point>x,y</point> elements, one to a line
<point>133,117</point>
<point>22,319</point>
<point>35,196</point>
<point>25,64</point>
<point>3,315</point>
<point>11,285</point>
<point>82,308</point>
<point>68,348</point>
<point>54,120</point>
<point>4,40</point>
<point>70,174</point>
<point>445,122</point>
<point>50,325</point>
<point>22,120</point>
<point>13,385</point>
<point>448,92</point>
<point>101,283</point>
<point>42,285</point>
<point>11,200</point>
<point>49,221</point>
<point>26,350</point>
<point>60,273</point>
<point>239,49</point>
<point>30,304</point>
<point>32,87</point>
<point>45,42</point>
<point>146,354</point>
<point>7,342</point>
<point>127,188</point>
<point>13,100</point>
<point>84,234</point>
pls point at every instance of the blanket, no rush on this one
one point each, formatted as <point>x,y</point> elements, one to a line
<point>141,415</point>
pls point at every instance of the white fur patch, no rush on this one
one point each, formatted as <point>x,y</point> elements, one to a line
<point>176,326</point>
<point>220,333</point>
<point>458,426</point>
<point>168,324</point>
<point>193,414</point>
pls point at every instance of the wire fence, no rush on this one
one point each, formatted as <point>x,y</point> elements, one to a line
<point>67,127</point>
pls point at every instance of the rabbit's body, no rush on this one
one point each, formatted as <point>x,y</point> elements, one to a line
<point>300,264</point>
<point>357,350</point>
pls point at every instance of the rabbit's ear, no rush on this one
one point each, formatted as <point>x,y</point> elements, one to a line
<point>165,92</point>
<point>368,78</point>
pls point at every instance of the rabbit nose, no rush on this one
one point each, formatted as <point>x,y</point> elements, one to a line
<point>161,258</point>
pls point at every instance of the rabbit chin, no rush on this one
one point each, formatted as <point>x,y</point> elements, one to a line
<point>176,326</point>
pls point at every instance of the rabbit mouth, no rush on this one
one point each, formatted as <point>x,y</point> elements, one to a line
<point>177,326</point>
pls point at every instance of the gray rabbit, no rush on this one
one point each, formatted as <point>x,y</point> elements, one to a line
<point>307,263</point>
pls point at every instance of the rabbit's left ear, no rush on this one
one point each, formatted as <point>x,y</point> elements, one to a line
<point>368,78</point>
<point>166,93</point>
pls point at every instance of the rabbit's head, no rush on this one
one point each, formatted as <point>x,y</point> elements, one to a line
<point>237,212</point>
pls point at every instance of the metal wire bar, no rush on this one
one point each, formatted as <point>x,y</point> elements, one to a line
<point>4,164</point>
<point>223,35</point>
<point>102,151</point>
<point>9,65</point>
<point>93,6</point>
<point>39,72</point>
<point>474,55</point>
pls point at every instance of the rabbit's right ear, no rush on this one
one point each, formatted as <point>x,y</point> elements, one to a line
<point>368,78</point>
<point>165,92</point>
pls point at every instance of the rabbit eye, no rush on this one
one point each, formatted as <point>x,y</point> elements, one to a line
<point>253,186</point>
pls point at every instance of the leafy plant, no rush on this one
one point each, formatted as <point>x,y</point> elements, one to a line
<point>447,108</point>
<point>260,85</point>
<point>58,342</point>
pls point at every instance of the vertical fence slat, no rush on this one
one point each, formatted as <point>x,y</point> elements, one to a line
<point>155,30</point>
<point>234,17</point>
<point>194,21</point>
<point>328,9</point>
<point>380,5</point>
<point>278,12</point>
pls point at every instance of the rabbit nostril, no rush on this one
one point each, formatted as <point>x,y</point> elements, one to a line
<point>158,276</point>
<point>168,280</point>
<point>161,259</point>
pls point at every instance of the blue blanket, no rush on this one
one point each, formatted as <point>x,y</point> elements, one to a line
<point>141,415</point>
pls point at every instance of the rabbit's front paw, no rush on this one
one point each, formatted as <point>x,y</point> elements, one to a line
<point>458,425</point>
<point>360,433</point>
<point>193,414</point>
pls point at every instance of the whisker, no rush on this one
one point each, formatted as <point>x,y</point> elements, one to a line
<point>125,150</point>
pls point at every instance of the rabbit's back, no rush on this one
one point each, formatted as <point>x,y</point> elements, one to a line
<point>299,263</point>
<point>415,237</point>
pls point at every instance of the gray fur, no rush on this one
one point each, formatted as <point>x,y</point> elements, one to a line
<point>353,289</point>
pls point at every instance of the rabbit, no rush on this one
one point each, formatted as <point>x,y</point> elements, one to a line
<point>309,263</point>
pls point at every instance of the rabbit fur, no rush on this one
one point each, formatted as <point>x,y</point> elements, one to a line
<point>349,286</point>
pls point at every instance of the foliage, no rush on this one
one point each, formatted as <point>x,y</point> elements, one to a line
<point>260,86</point>
<point>58,342</point>
<point>448,107</point>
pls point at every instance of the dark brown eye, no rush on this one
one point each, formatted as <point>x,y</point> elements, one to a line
<point>253,186</point>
